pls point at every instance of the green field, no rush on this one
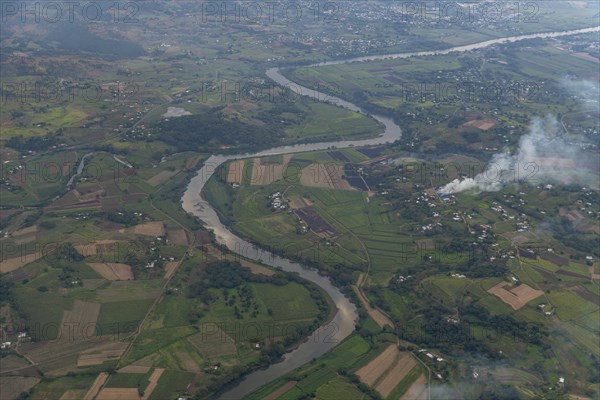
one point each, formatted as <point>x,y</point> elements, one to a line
<point>206,327</point>
<point>128,380</point>
<point>290,312</point>
<point>395,246</point>
<point>323,377</point>
<point>54,388</point>
<point>171,382</point>
<point>338,388</point>
<point>122,315</point>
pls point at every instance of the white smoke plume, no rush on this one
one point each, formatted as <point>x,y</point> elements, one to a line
<point>545,155</point>
<point>586,91</point>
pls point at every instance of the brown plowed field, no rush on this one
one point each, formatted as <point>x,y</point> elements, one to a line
<point>100,380</point>
<point>327,176</point>
<point>370,373</point>
<point>118,394</point>
<point>235,171</point>
<point>515,297</point>
<point>405,364</point>
<point>113,271</point>
<point>153,382</point>
<point>155,228</point>
<point>417,391</point>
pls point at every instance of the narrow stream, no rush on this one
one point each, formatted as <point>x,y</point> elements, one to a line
<point>79,169</point>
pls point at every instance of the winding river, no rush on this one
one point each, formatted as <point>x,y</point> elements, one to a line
<point>342,325</point>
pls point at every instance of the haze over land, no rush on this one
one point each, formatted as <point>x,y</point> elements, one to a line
<point>185,213</point>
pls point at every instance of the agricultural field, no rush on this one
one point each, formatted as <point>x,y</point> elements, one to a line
<point>342,370</point>
<point>450,108</point>
<point>80,329</point>
<point>327,376</point>
<point>387,370</point>
<point>485,293</point>
<point>110,290</point>
<point>242,326</point>
<point>83,273</point>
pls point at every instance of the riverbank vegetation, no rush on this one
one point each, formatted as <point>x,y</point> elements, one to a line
<point>434,265</point>
<point>108,285</point>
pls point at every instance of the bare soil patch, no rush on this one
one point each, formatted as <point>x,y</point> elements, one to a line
<point>264,173</point>
<point>526,293</point>
<point>118,394</point>
<point>170,268</point>
<point>162,177</point>
<point>403,366</point>
<point>15,263</point>
<point>483,124</point>
<point>235,172</point>
<point>113,271</point>
<point>417,391</point>
<point>153,382</point>
<point>177,236</point>
<point>155,229</point>
<point>515,297</point>
<point>370,373</point>
<point>95,388</point>
<point>96,248</point>
<point>187,362</point>
<point>299,202</point>
<point>327,176</point>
